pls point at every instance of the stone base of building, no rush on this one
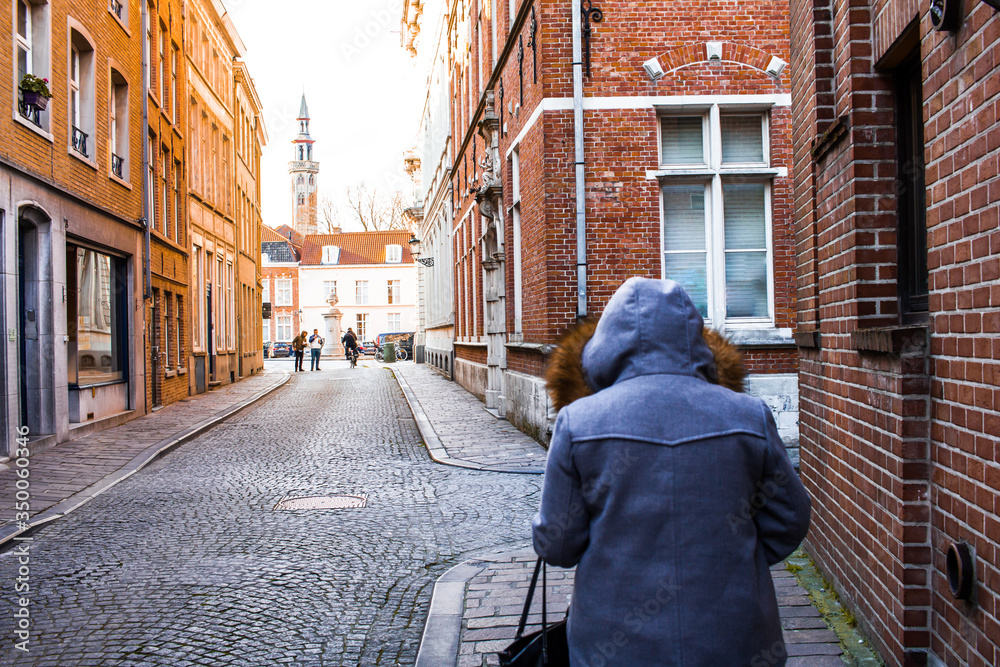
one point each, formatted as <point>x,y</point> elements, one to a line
<point>527,405</point>
<point>472,377</point>
<point>781,393</point>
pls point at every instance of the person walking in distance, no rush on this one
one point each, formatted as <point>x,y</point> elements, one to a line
<point>315,346</point>
<point>672,513</point>
<point>350,343</point>
<point>299,344</point>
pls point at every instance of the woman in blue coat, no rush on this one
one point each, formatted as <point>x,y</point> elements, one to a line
<point>668,489</point>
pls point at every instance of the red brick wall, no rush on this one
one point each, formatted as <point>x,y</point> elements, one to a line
<point>899,424</point>
<point>623,216</point>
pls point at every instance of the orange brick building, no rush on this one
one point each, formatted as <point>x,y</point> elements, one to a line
<point>167,317</point>
<point>70,208</point>
<point>664,153</point>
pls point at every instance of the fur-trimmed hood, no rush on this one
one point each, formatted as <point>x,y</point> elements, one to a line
<point>649,326</point>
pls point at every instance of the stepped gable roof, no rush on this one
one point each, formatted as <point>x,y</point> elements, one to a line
<point>357,247</point>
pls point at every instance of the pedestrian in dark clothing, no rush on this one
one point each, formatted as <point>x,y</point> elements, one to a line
<point>315,347</point>
<point>669,490</point>
<point>299,344</point>
<point>350,341</point>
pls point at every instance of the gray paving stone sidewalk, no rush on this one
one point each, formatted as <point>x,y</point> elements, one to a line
<point>462,432</point>
<point>69,474</point>
<point>493,597</point>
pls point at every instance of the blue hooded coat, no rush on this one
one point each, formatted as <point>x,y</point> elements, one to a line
<point>671,494</point>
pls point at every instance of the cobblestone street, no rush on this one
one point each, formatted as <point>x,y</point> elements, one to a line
<point>187,562</point>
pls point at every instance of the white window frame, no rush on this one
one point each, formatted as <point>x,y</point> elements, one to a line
<point>284,325</point>
<point>394,293</point>
<point>713,173</point>
<point>75,68</point>
<point>328,287</point>
<point>331,254</point>
<point>394,322</point>
<point>36,45</point>
<point>361,326</point>
<point>515,162</point>
<point>283,292</point>
<point>266,291</point>
<point>361,292</point>
<point>393,254</point>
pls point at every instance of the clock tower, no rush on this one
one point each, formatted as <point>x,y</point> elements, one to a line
<point>304,171</point>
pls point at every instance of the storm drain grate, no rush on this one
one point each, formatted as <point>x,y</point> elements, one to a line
<point>323,503</point>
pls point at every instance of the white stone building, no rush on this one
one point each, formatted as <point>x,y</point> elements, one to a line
<point>373,276</point>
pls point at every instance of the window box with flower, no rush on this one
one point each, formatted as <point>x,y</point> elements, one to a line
<point>35,91</point>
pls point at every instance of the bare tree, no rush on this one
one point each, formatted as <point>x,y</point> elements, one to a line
<point>376,210</point>
<point>330,213</point>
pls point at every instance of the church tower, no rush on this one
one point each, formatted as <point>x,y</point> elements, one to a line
<point>304,171</point>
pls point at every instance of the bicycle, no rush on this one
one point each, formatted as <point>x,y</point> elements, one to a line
<point>353,355</point>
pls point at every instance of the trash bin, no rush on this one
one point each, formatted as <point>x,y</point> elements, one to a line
<point>388,352</point>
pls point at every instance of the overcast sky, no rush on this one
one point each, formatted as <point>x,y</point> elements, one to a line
<point>364,91</point>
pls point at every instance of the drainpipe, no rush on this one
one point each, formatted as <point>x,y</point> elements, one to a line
<point>581,213</point>
<point>147,187</point>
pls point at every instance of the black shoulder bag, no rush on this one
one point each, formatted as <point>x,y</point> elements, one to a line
<point>546,647</point>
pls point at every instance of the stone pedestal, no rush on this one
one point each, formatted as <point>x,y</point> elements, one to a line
<point>331,326</point>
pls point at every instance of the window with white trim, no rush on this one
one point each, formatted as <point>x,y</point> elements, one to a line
<point>361,326</point>
<point>118,130</point>
<point>331,254</point>
<point>284,332</point>
<point>80,85</point>
<point>329,287</point>
<point>31,37</point>
<point>394,323</point>
<point>395,287</point>
<point>361,292</point>
<point>393,254</point>
<point>715,186</point>
<point>266,291</point>
<point>283,292</point>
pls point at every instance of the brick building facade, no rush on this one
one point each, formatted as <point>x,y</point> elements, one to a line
<point>684,173</point>
<point>167,318</point>
<point>896,152</point>
<point>70,209</point>
<point>97,243</point>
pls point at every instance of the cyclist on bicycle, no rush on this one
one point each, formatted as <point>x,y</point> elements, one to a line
<point>350,341</point>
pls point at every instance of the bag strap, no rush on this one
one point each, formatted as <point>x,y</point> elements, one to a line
<point>545,623</point>
<point>527,601</point>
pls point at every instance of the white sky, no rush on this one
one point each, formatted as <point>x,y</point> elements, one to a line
<point>365,93</point>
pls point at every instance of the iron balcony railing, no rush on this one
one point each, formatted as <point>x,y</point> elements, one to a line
<point>28,112</point>
<point>117,165</point>
<point>80,141</point>
<point>116,7</point>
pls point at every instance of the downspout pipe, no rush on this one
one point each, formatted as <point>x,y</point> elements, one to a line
<point>147,187</point>
<point>578,162</point>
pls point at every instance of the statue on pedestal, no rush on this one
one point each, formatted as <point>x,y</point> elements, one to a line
<point>332,318</point>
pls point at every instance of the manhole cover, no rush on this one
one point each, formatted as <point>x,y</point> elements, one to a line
<point>323,503</point>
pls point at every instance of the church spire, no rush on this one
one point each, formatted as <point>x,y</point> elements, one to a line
<point>304,171</point>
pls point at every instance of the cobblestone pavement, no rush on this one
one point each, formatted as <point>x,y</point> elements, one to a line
<point>68,469</point>
<point>468,434</point>
<point>494,600</point>
<point>188,563</point>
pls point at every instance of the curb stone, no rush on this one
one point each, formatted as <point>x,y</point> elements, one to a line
<point>140,461</point>
<point>436,449</point>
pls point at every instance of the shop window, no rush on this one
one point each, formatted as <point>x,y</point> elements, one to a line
<point>96,308</point>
